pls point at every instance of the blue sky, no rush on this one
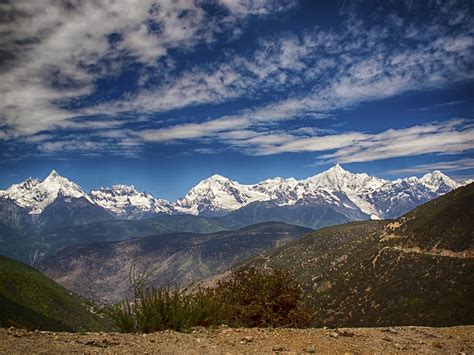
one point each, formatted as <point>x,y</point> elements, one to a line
<point>164,94</point>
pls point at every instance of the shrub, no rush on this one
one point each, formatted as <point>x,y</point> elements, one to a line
<point>251,299</point>
<point>264,299</point>
<point>155,309</point>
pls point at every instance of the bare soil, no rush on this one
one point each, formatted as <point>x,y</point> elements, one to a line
<point>228,340</point>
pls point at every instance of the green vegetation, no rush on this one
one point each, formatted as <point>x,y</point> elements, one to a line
<point>155,309</point>
<point>417,270</point>
<point>28,299</point>
<point>444,223</point>
<point>250,299</point>
<point>263,299</point>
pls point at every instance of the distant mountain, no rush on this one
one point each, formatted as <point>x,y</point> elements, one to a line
<point>439,183</point>
<point>34,213</point>
<point>70,211</point>
<point>418,269</point>
<point>14,220</point>
<point>126,202</point>
<point>307,213</point>
<point>37,244</point>
<point>101,270</point>
<point>31,247</point>
<point>349,194</point>
<point>35,205</point>
<point>29,299</point>
<point>35,195</point>
<point>400,196</point>
<point>219,195</point>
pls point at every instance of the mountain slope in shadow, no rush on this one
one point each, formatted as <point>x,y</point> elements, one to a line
<point>416,270</point>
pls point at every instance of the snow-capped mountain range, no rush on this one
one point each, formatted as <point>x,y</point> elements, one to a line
<point>217,195</point>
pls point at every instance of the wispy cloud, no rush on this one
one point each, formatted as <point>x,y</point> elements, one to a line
<point>338,69</point>
<point>89,146</point>
<point>452,165</point>
<point>437,106</point>
<point>448,137</point>
<point>56,51</point>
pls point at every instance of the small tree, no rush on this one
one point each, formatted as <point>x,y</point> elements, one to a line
<point>262,299</point>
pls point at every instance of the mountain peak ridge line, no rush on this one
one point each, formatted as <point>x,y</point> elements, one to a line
<point>218,195</point>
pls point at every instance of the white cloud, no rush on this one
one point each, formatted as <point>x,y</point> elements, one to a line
<point>319,71</point>
<point>61,50</point>
<point>448,137</point>
<point>194,130</point>
<point>56,50</point>
<point>86,145</point>
<point>256,7</point>
<point>452,165</point>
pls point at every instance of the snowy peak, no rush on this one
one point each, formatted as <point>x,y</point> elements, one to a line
<point>337,169</point>
<point>217,195</point>
<point>29,183</point>
<point>439,182</point>
<point>356,187</point>
<point>217,178</point>
<point>54,180</point>
<point>36,195</point>
<point>126,200</point>
<point>338,179</point>
<point>213,183</point>
<point>53,175</point>
<point>121,190</point>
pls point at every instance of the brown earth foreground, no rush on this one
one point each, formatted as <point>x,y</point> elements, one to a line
<point>228,340</point>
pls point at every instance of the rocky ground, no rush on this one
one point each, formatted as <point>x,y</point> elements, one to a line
<point>227,340</point>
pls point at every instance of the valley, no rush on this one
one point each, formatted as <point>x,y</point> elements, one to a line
<point>102,271</point>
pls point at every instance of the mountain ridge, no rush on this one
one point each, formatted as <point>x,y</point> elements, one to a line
<point>417,269</point>
<point>217,195</point>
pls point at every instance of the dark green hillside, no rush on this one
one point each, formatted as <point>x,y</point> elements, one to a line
<point>444,223</point>
<point>417,270</point>
<point>29,299</point>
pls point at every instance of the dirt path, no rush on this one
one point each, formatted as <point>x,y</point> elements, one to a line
<point>226,340</point>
